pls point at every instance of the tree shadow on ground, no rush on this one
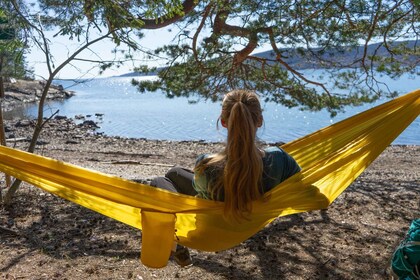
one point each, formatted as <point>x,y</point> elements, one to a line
<point>347,239</point>
<point>355,236</point>
<point>63,230</point>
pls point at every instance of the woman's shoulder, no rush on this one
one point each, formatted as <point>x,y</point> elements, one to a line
<point>278,166</point>
<point>272,150</point>
<point>277,154</point>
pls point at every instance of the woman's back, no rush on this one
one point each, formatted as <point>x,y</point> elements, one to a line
<point>277,167</point>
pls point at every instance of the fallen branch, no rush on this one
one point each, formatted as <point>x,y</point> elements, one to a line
<point>138,162</point>
<point>348,227</point>
<point>8,230</point>
<point>22,139</point>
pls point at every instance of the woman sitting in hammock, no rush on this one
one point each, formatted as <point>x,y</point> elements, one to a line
<point>239,174</point>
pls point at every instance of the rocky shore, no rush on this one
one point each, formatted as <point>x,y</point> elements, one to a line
<point>45,237</point>
<point>18,92</point>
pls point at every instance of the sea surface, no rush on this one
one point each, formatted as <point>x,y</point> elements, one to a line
<point>120,110</point>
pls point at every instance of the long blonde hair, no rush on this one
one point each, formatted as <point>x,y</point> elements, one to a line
<point>240,165</point>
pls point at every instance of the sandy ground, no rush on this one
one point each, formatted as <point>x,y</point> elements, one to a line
<point>45,237</point>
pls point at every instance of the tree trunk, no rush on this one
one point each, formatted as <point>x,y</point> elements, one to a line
<point>2,138</point>
<point>37,131</point>
<point>2,133</point>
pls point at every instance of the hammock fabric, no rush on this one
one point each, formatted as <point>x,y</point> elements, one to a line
<point>331,159</point>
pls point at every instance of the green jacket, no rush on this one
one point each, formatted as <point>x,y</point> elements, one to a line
<point>277,164</point>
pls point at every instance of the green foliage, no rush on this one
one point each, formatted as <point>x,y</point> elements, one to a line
<point>12,59</point>
<point>218,41</point>
<point>75,18</point>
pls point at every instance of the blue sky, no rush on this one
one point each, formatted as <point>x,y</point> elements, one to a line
<point>61,47</point>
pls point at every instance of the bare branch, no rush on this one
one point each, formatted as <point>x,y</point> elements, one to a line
<point>370,34</point>
<point>291,69</point>
<point>200,27</point>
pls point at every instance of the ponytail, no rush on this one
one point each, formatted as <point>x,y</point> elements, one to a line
<point>240,164</point>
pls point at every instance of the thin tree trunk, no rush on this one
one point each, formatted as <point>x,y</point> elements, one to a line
<point>2,132</point>
<point>2,138</point>
<point>38,128</point>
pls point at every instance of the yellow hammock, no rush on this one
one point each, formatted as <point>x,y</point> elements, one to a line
<point>331,159</point>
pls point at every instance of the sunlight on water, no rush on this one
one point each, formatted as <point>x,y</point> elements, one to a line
<point>128,113</point>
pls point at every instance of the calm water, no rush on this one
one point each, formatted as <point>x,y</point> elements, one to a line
<point>129,113</point>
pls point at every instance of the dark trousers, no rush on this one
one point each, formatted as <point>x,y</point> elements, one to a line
<point>177,179</point>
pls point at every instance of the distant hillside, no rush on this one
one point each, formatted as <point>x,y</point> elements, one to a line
<point>305,59</point>
<point>136,74</point>
<point>346,56</point>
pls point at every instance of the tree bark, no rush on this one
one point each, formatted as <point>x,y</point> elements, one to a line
<point>187,5</point>
<point>2,132</point>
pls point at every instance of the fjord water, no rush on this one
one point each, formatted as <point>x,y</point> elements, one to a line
<point>120,110</point>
